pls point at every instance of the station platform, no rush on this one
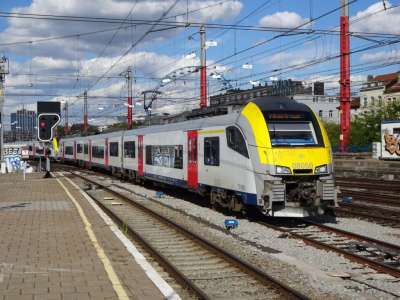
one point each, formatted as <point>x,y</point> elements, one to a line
<point>56,245</point>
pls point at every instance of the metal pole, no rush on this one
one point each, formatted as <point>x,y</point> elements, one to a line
<point>345,104</point>
<point>1,116</point>
<point>129,77</point>
<point>85,113</point>
<point>66,129</point>
<point>203,68</point>
<point>47,174</point>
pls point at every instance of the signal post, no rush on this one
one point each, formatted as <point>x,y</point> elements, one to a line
<point>48,118</point>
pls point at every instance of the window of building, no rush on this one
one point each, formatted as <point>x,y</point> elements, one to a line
<point>379,100</point>
<point>211,151</point>
<point>69,150</point>
<point>169,156</point>
<point>98,151</point>
<point>114,149</point>
<point>313,99</point>
<point>321,113</point>
<point>365,101</point>
<point>330,114</point>
<point>85,149</point>
<point>372,100</point>
<point>236,140</point>
<point>129,149</point>
<point>79,148</point>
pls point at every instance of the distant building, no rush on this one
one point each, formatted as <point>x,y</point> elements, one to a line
<point>380,90</point>
<point>326,107</point>
<point>23,125</point>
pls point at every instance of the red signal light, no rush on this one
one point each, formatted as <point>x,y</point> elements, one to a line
<point>42,124</point>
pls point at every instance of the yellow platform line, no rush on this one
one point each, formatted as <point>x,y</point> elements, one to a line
<point>112,275</point>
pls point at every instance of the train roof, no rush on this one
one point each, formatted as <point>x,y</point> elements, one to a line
<point>277,103</point>
<point>223,120</point>
<point>268,103</point>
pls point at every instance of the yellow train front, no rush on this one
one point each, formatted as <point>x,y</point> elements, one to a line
<point>291,157</point>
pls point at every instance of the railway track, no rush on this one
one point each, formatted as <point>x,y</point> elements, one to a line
<point>378,255</point>
<point>368,197</point>
<point>204,268</point>
<point>369,184</point>
<point>374,214</point>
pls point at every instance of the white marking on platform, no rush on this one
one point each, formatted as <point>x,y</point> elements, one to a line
<point>155,277</point>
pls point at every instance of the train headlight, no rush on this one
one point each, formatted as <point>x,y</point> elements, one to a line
<point>321,169</point>
<point>283,170</point>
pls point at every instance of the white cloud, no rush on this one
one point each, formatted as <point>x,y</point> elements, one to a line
<point>381,56</point>
<point>284,19</point>
<point>375,19</point>
<point>31,30</point>
<point>332,81</point>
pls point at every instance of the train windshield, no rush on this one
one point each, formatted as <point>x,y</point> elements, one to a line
<point>293,129</point>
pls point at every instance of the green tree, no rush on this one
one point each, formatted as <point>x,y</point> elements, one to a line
<point>332,130</point>
<point>366,127</point>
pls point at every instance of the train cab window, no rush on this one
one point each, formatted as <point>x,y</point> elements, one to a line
<point>85,149</point>
<point>211,151</point>
<point>236,141</point>
<point>79,148</point>
<point>293,128</point>
<point>129,149</point>
<point>69,150</point>
<point>114,149</point>
<point>98,151</point>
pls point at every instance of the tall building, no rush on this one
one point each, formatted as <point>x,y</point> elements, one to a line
<point>23,125</point>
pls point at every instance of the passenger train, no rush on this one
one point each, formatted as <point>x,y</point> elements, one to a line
<point>273,155</point>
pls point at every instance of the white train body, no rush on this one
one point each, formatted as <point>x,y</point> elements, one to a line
<point>286,174</point>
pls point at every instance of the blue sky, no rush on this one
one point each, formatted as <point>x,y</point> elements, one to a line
<point>66,67</point>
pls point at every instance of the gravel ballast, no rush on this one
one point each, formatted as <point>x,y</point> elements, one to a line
<point>315,272</point>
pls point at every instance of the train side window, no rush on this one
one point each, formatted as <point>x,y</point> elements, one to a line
<point>69,150</point>
<point>129,149</point>
<point>85,149</point>
<point>236,140</point>
<point>98,151</point>
<point>178,153</point>
<point>149,155</point>
<point>211,151</point>
<point>79,148</point>
<point>114,149</point>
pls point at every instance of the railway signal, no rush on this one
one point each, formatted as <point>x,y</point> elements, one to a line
<point>48,118</point>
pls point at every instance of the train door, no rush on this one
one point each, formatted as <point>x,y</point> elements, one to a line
<point>192,169</point>
<point>90,153</point>
<point>140,155</point>
<point>106,154</point>
<point>74,150</point>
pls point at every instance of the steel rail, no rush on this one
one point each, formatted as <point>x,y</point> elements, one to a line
<point>355,236</point>
<point>347,210</point>
<point>366,196</point>
<point>378,266</point>
<point>256,272</point>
